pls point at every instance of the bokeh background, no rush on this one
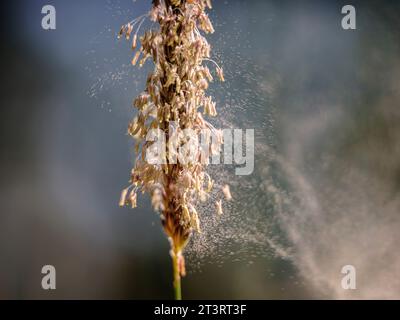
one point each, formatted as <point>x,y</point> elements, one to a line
<point>324,103</point>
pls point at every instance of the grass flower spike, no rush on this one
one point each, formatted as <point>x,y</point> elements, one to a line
<point>174,93</point>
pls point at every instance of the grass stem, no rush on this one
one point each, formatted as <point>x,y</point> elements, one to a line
<point>177,277</point>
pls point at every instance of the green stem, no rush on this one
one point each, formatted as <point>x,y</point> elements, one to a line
<point>177,277</point>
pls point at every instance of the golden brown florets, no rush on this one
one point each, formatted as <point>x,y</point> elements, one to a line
<point>175,92</point>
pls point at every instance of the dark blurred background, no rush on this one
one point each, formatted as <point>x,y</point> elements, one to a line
<point>326,100</point>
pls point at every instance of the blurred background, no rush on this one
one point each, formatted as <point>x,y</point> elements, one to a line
<point>324,103</point>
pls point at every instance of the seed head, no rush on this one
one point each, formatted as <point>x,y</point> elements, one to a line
<point>175,91</point>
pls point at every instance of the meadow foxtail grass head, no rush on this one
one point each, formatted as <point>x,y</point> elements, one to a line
<point>174,93</point>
